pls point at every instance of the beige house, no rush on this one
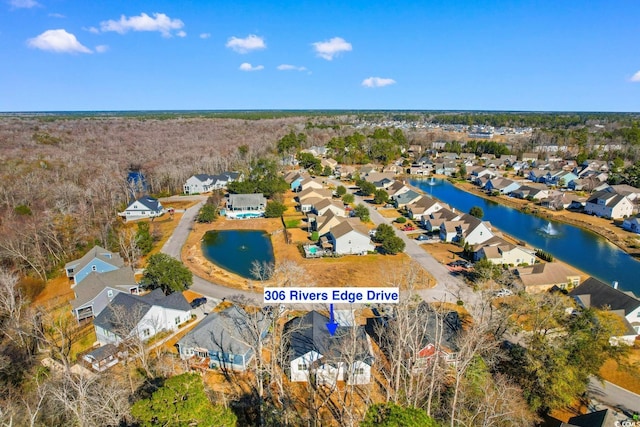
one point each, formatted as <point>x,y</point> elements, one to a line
<point>542,277</point>
<point>507,254</point>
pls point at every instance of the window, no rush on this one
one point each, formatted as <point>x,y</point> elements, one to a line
<point>146,332</point>
<point>94,268</point>
<point>109,293</point>
<point>178,320</point>
<point>303,366</point>
<point>359,371</point>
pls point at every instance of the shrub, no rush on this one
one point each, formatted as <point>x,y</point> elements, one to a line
<point>401,220</point>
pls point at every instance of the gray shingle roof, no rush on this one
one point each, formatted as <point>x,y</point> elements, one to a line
<point>96,252</point>
<point>94,283</point>
<point>603,295</point>
<point>137,306</point>
<point>223,331</point>
<point>310,333</point>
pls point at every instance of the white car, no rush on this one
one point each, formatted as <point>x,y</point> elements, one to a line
<point>504,292</point>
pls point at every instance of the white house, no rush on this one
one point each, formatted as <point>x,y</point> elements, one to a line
<point>201,183</point>
<point>144,207</point>
<point>594,293</point>
<point>316,354</point>
<point>424,206</point>
<point>608,205</point>
<point>141,316</point>
<point>350,237</point>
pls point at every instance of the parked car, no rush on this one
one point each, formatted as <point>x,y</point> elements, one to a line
<point>198,302</point>
<point>504,292</point>
<point>408,228</point>
<point>422,237</point>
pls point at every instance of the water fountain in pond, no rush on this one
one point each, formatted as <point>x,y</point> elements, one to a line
<point>432,181</point>
<point>549,230</point>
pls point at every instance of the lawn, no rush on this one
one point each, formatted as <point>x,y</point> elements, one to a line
<point>628,378</point>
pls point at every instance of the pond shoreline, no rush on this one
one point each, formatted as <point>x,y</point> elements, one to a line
<point>600,227</point>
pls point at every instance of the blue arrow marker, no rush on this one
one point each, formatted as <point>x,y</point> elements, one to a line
<point>332,325</point>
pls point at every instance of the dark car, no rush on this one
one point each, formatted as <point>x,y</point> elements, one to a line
<point>198,302</point>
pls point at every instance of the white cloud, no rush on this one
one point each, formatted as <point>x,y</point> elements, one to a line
<point>377,82</point>
<point>205,35</point>
<point>636,77</point>
<point>160,22</point>
<point>181,33</point>
<point>247,44</point>
<point>58,41</point>
<point>93,30</point>
<point>57,15</point>
<point>288,67</point>
<point>330,48</point>
<point>102,48</point>
<point>245,66</point>
<point>23,4</point>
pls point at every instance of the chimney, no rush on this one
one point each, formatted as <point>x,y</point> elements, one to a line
<point>615,284</point>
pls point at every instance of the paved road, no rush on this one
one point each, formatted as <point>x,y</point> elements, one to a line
<point>448,287</point>
<point>173,247</point>
<point>614,396</point>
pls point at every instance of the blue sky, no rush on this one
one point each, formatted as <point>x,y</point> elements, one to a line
<point>60,55</point>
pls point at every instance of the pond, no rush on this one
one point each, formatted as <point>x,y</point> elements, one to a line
<point>582,249</point>
<point>237,250</point>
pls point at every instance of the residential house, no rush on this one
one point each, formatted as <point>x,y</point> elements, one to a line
<point>380,179</point>
<point>346,171</point>
<point>141,317</point>
<point>97,290</point>
<point>316,355</point>
<point>437,336</point>
<point>221,339</point>
<point>544,276</point>
<point>144,207</point>
<point>335,206</point>
<point>562,179</point>
<point>630,192</point>
<point>97,260</point>
<point>632,224</point>
<point>507,254</point>
<point>294,178</point>
<point>350,237</point>
<point>447,168</point>
<point>200,183</point>
<point>476,172</point>
<point>532,192</point>
<point>529,157</point>
<point>324,223</point>
<point>424,206</point>
<point>436,219</point>
<point>594,293</point>
<point>102,358</point>
<point>468,228</point>
<point>501,185</point>
<point>397,188</point>
<point>608,205</point>
<point>309,182</point>
<point>307,199</point>
<point>330,163</point>
<point>245,205</point>
<point>404,199</point>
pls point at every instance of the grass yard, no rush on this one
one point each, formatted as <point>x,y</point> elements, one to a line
<point>626,378</point>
